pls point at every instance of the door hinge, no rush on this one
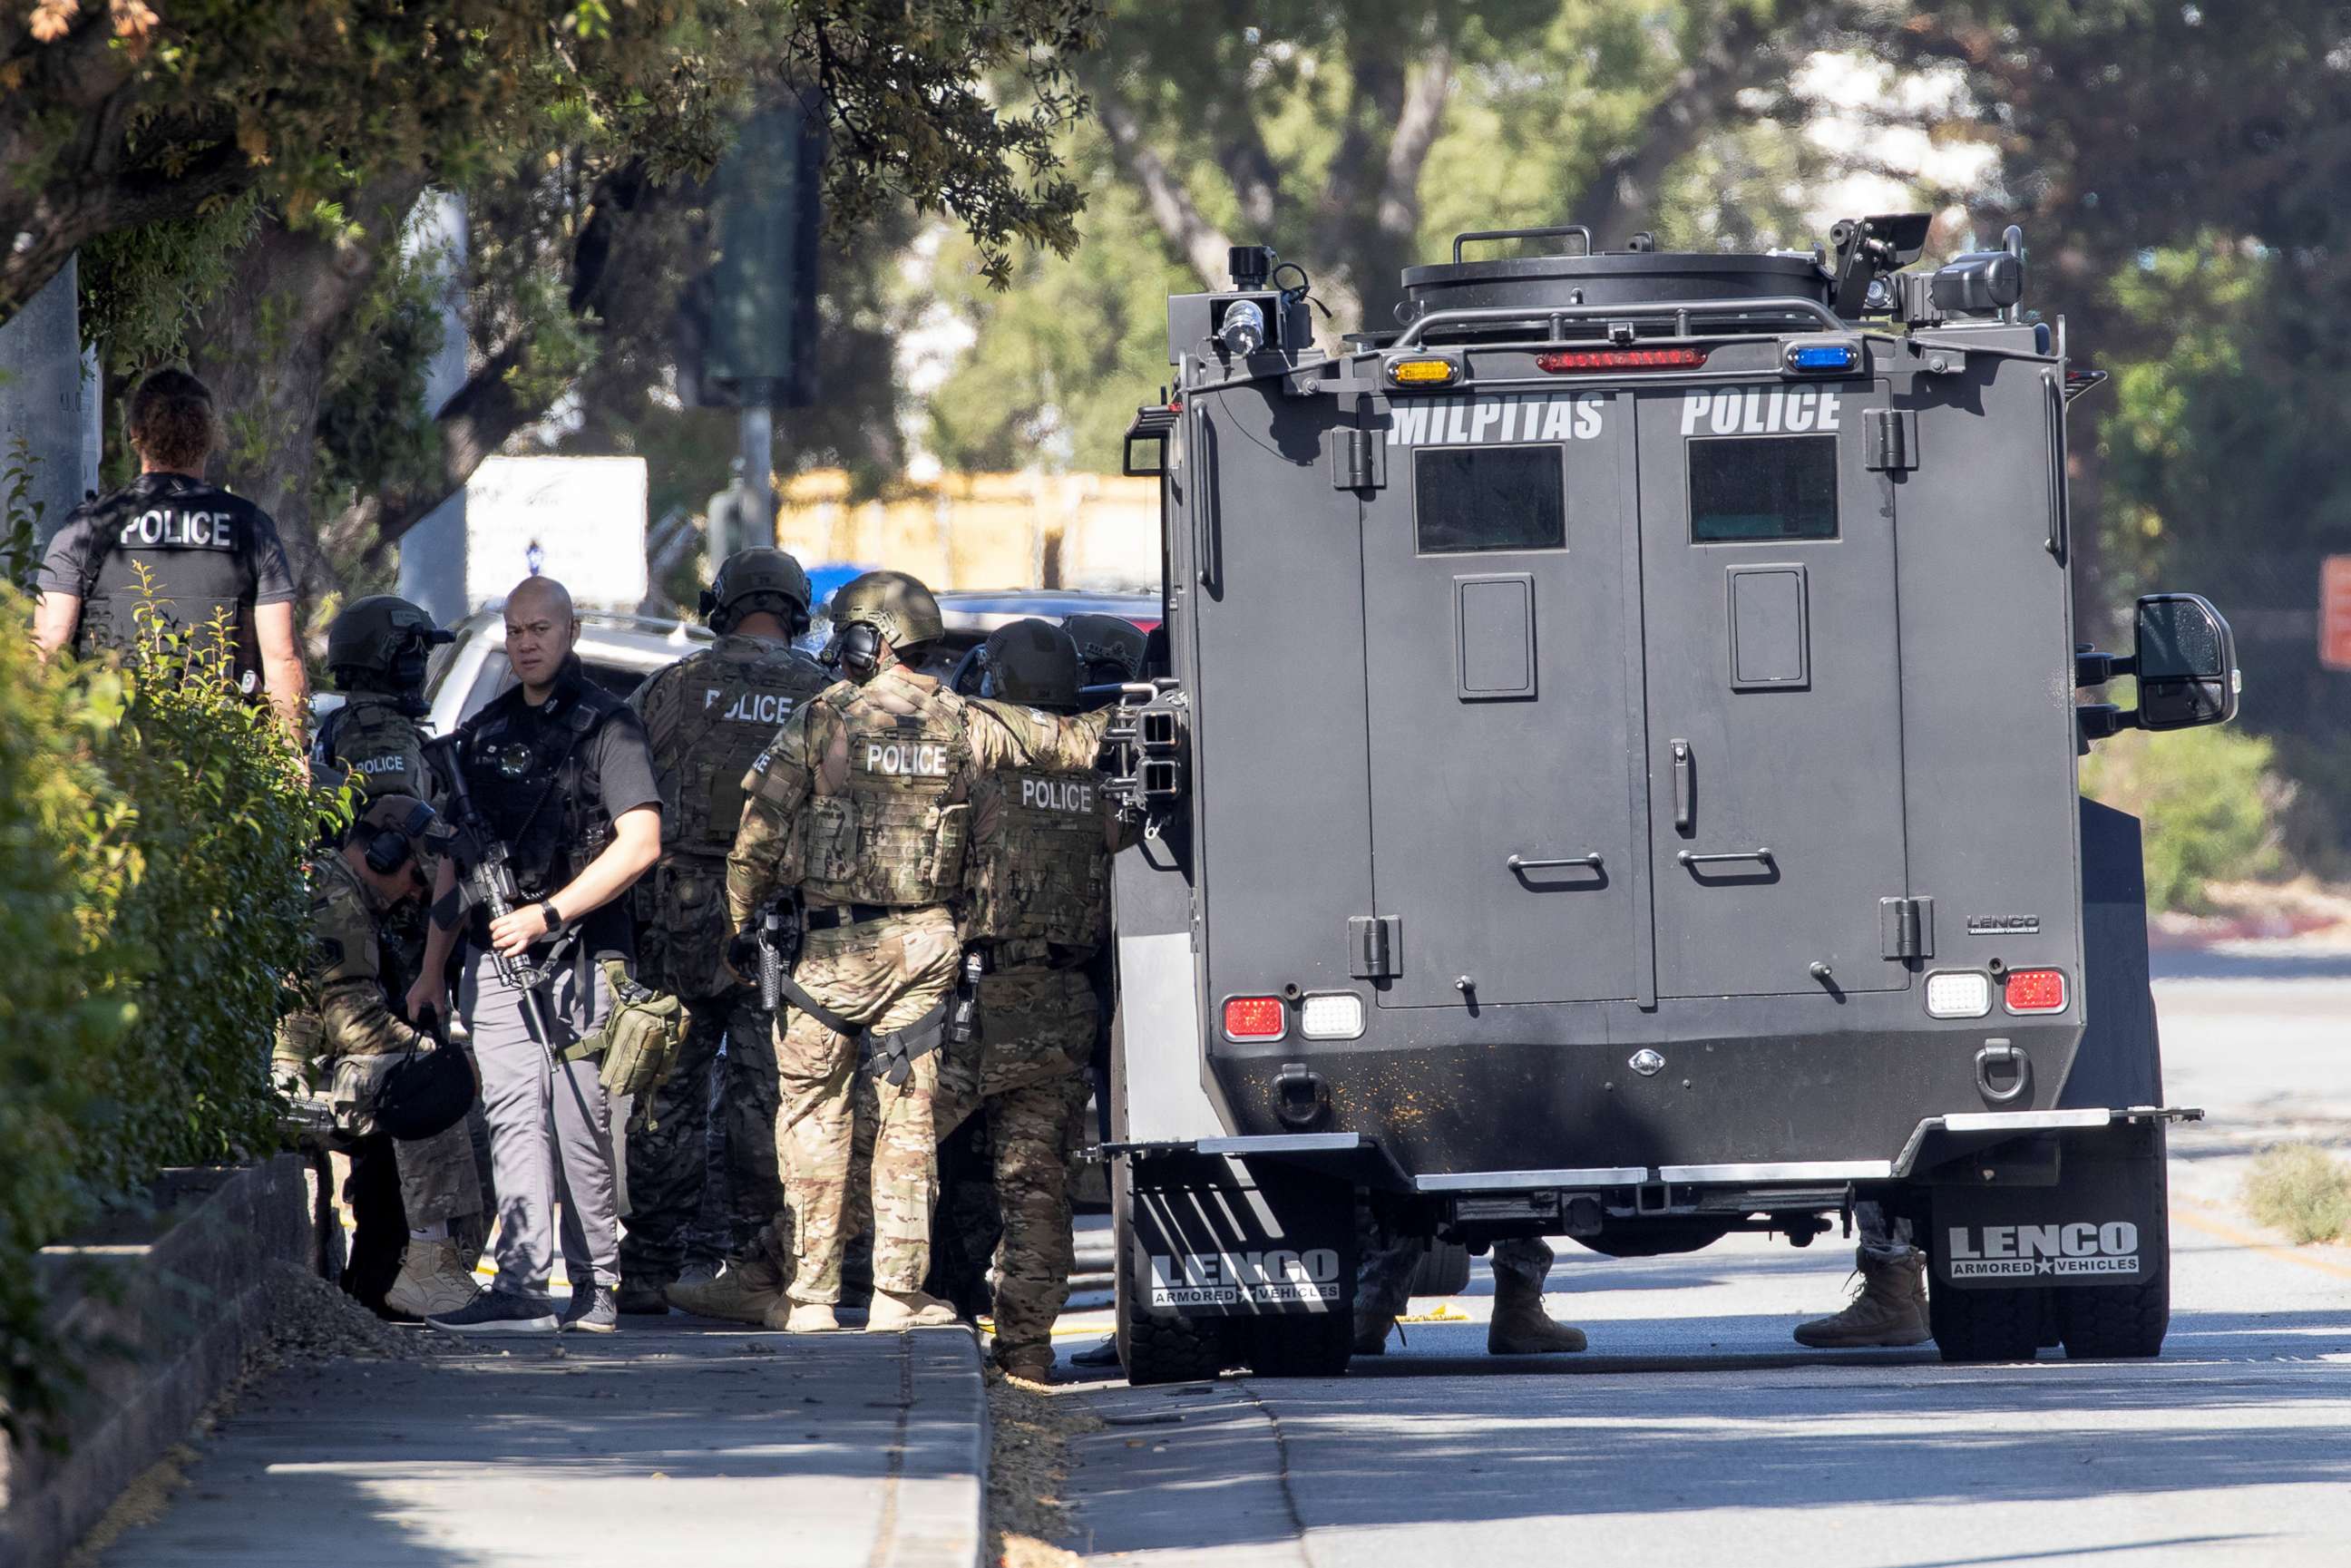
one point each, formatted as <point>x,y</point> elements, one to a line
<point>1892,437</point>
<point>1375,946</point>
<point>1907,927</point>
<point>1358,458</point>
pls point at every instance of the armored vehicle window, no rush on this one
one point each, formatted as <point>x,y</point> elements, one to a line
<point>1491,498</point>
<point>1767,488</point>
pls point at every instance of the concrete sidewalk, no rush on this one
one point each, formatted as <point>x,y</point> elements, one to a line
<point>672,1441</point>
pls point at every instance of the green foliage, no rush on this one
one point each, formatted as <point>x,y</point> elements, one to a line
<point>2206,797</point>
<point>153,903</point>
<point>2301,1189</point>
<point>142,289</point>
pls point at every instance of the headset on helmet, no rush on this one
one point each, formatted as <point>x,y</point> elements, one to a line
<point>401,829</point>
<point>754,580</point>
<point>876,605</point>
<point>1112,647</point>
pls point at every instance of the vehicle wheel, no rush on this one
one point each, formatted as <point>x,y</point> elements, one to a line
<point>1155,1347</point>
<point>1300,1346</point>
<point>1984,1325</point>
<point>2114,1322</point>
<point>1443,1270</point>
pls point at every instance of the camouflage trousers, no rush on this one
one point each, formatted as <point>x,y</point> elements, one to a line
<point>1037,1028</point>
<point>883,975</point>
<point>437,1179</point>
<point>670,1132</point>
<point>1884,1238</point>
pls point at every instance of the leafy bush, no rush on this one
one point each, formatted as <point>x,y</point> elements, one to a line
<point>2303,1190</point>
<point>2208,798</point>
<point>152,904</point>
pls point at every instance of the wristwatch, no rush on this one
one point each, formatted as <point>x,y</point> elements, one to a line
<point>552,916</point>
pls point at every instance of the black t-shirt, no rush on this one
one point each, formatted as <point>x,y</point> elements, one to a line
<point>209,553</point>
<point>521,764</point>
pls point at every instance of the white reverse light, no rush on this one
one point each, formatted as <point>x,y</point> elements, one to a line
<point>1959,994</point>
<point>1334,1014</point>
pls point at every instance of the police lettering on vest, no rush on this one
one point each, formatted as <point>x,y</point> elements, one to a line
<point>1073,795</point>
<point>164,528</point>
<point>766,709</point>
<point>906,758</point>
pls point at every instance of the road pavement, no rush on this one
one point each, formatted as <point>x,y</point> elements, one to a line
<point>1696,1431</point>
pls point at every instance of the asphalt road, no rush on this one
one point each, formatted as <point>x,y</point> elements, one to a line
<point>1696,1431</point>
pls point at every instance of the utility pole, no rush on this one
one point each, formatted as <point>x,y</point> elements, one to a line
<point>44,398</point>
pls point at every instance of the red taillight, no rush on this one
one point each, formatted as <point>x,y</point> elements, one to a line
<point>2036,990</point>
<point>1254,1017</point>
<point>1564,360</point>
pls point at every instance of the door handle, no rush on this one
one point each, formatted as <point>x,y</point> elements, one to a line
<point>1590,862</point>
<point>1725,859</point>
<point>1685,787</point>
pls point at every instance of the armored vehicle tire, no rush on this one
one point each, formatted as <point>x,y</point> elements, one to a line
<point>1985,1326</point>
<point>1443,1270</point>
<point>1155,1347</point>
<point>2114,1322</point>
<point>1302,1347</point>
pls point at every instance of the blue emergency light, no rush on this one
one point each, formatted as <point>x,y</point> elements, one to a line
<point>1819,359</point>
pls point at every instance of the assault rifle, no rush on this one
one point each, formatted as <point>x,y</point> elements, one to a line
<point>488,878</point>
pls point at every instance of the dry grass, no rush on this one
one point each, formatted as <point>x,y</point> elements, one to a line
<point>1029,1432</point>
<point>2303,1190</point>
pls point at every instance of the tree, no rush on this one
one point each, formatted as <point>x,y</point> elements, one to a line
<point>578,128</point>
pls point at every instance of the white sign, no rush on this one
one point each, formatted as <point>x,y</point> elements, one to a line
<point>580,520</point>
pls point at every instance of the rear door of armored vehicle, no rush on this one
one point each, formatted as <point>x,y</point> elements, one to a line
<point>1771,645</point>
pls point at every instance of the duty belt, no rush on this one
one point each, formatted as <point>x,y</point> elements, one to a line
<point>1035,953</point>
<point>831,916</point>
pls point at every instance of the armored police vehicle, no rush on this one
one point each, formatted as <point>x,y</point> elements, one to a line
<point>1612,775</point>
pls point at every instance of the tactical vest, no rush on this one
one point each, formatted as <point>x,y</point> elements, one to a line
<point>529,771</point>
<point>893,834</point>
<point>380,745</point>
<point>732,699</point>
<point>200,544</point>
<point>1040,868</point>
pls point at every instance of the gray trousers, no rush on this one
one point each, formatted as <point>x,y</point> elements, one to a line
<point>437,1181</point>
<point>550,1134</point>
<point>1883,1239</point>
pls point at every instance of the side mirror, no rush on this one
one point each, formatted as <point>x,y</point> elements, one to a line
<point>2185,661</point>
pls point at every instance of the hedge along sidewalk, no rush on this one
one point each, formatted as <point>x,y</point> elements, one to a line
<point>166,1314</point>
<point>674,1441</point>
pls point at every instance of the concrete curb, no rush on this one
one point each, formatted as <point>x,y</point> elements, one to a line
<point>166,1318</point>
<point>944,1439</point>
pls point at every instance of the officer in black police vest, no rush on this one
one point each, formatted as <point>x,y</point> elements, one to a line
<point>209,553</point>
<point>560,769</point>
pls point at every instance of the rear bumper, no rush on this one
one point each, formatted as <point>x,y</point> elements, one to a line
<point>1360,1158</point>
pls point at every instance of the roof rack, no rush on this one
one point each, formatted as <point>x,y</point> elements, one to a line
<point>1681,313</point>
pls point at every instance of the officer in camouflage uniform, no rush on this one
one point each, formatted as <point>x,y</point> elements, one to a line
<point>376,650</point>
<point>708,717</point>
<point>861,805</point>
<point>349,1029</point>
<point>1037,907</point>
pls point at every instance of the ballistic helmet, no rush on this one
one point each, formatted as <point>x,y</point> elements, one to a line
<point>752,579</point>
<point>1111,645</point>
<point>1034,662</point>
<point>380,644</point>
<point>395,829</point>
<point>888,604</point>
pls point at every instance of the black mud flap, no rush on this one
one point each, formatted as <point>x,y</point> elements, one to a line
<point>1214,1237</point>
<point>2105,1221</point>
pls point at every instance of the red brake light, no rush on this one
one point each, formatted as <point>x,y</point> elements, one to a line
<point>1254,1017</point>
<point>1564,360</point>
<point>2036,990</point>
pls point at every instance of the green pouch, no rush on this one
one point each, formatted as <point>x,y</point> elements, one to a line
<point>640,1039</point>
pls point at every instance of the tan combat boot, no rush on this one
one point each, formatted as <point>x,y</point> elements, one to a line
<point>1890,1308</point>
<point>433,1281</point>
<point>802,1317</point>
<point>895,1310</point>
<point>740,1292</point>
<point>1027,1366</point>
<point>1521,1327</point>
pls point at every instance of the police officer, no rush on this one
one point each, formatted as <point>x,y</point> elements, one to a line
<point>1036,907</point>
<point>209,553</point>
<point>1890,1307</point>
<point>376,650</point>
<point>863,806</point>
<point>708,717</point>
<point>387,861</point>
<point>560,769</point>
